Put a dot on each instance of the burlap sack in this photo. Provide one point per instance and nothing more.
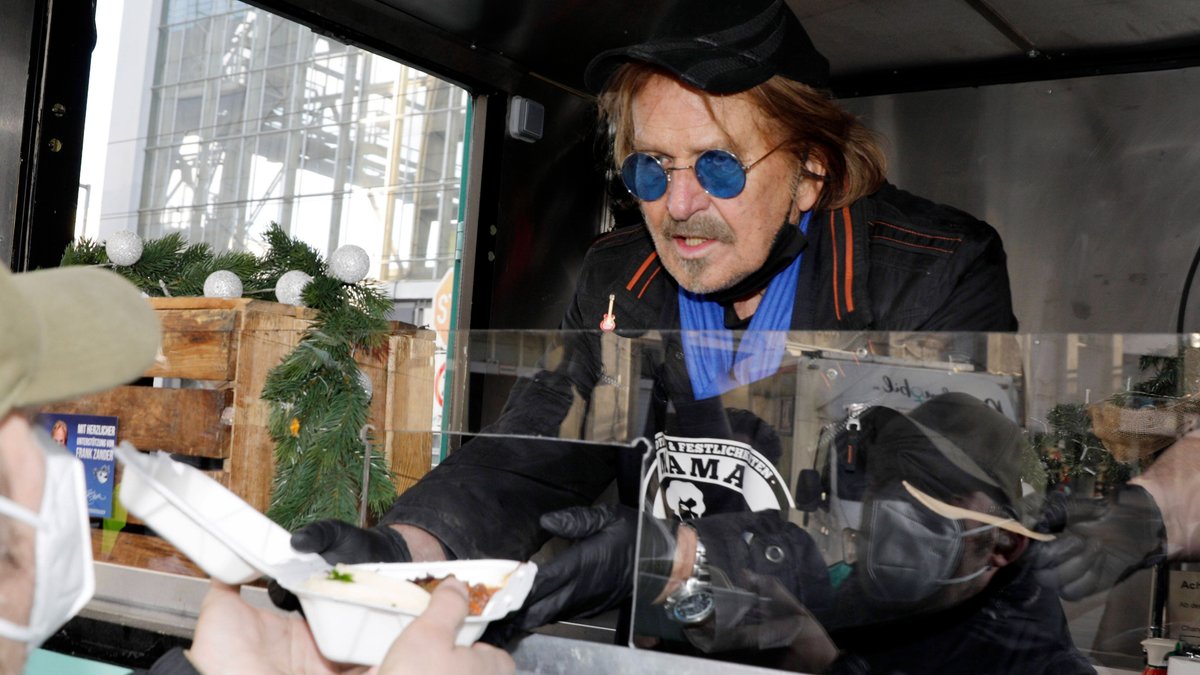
(1131, 434)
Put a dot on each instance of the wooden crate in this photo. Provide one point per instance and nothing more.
(224, 350)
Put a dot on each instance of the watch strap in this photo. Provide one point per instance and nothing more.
(698, 584)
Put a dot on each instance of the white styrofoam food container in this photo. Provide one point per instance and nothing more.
(184, 506)
(234, 543)
(347, 631)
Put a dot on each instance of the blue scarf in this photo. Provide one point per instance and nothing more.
(708, 350)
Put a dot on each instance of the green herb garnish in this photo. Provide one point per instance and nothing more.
(335, 575)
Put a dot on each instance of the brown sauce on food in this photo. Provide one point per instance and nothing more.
(477, 594)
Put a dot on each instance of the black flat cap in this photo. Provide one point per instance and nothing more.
(722, 47)
(954, 444)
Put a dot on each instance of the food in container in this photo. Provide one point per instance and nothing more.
(233, 542)
(357, 624)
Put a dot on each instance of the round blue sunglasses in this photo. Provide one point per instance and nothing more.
(719, 172)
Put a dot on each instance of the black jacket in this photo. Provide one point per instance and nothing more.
(890, 262)
(1016, 625)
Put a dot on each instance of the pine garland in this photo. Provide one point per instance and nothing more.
(1072, 453)
(169, 267)
(319, 406)
(1164, 381)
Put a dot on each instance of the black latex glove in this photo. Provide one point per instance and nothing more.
(1102, 541)
(776, 621)
(340, 542)
(595, 574)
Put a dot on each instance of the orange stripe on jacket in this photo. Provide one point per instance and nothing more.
(636, 275)
(837, 310)
(919, 234)
(849, 260)
(648, 280)
(913, 244)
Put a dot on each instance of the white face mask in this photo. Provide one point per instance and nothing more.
(64, 579)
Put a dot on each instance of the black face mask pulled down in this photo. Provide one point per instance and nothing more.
(789, 243)
(910, 552)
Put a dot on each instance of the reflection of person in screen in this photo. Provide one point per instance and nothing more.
(945, 579)
(59, 432)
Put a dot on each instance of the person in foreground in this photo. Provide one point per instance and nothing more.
(46, 573)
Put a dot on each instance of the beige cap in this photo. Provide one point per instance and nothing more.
(70, 331)
(958, 513)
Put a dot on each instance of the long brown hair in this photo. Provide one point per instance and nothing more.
(805, 120)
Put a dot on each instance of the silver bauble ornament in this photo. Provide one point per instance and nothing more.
(124, 248)
(222, 284)
(349, 264)
(290, 288)
(364, 381)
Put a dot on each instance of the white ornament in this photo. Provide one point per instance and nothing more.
(124, 248)
(223, 284)
(290, 288)
(349, 264)
(364, 381)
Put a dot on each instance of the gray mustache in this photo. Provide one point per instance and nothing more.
(706, 228)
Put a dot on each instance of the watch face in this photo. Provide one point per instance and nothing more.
(693, 608)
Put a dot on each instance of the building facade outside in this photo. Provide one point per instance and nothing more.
(226, 118)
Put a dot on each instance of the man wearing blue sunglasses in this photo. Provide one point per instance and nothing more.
(765, 209)
(741, 164)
